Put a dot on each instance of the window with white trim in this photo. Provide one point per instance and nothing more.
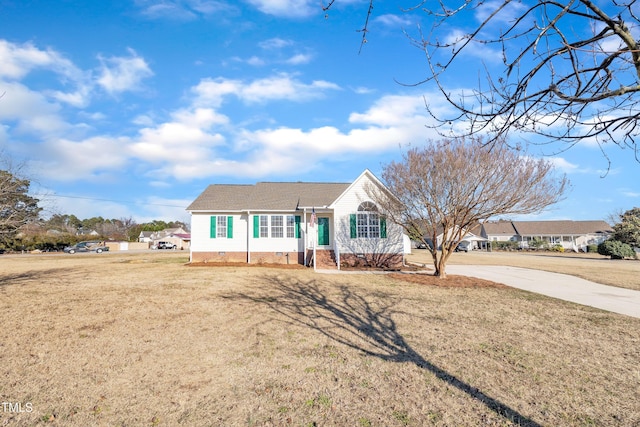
(221, 226)
(277, 226)
(368, 223)
(264, 226)
(291, 226)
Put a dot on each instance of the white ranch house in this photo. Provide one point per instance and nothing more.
(289, 222)
(572, 235)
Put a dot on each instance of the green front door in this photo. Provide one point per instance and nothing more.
(323, 231)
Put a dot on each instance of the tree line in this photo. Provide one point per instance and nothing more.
(60, 230)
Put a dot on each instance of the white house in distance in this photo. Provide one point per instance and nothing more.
(287, 222)
(572, 235)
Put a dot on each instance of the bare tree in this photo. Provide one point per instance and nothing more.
(17, 207)
(570, 69)
(448, 187)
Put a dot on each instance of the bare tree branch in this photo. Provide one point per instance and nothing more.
(17, 208)
(571, 69)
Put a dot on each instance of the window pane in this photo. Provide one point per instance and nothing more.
(374, 225)
(291, 224)
(264, 226)
(221, 226)
(363, 225)
(277, 229)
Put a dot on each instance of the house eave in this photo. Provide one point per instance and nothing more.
(241, 210)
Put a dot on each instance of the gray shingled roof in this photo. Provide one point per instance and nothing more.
(503, 228)
(545, 228)
(286, 196)
(532, 228)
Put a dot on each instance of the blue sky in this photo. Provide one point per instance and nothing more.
(132, 108)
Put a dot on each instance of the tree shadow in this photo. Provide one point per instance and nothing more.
(20, 279)
(367, 326)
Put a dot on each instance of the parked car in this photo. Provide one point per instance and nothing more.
(420, 245)
(165, 245)
(89, 246)
(464, 246)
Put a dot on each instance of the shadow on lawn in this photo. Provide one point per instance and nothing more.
(20, 279)
(349, 318)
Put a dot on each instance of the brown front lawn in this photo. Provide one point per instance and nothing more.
(143, 340)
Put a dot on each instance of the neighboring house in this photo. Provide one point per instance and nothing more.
(499, 231)
(146, 236)
(167, 232)
(287, 222)
(181, 240)
(469, 235)
(572, 235)
(177, 236)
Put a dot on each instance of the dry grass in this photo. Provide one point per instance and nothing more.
(142, 340)
(599, 269)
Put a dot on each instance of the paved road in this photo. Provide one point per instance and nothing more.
(561, 286)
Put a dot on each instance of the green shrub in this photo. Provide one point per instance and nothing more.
(616, 249)
(536, 243)
(504, 246)
(592, 248)
(557, 248)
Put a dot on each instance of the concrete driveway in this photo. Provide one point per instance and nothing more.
(561, 286)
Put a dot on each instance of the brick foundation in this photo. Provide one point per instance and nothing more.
(326, 259)
(256, 257)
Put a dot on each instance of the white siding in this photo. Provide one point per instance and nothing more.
(503, 238)
(348, 204)
(276, 244)
(201, 240)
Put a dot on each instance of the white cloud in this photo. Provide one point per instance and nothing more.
(255, 61)
(275, 43)
(299, 59)
(563, 165)
(393, 21)
(283, 86)
(79, 98)
(143, 120)
(457, 37)
(361, 90)
(120, 74)
(286, 8)
(294, 8)
(507, 15)
(392, 121)
(211, 92)
(630, 193)
(85, 206)
(188, 139)
(182, 10)
(200, 142)
(67, 160)
(392, 110)
(32, 112)
(18, 60)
